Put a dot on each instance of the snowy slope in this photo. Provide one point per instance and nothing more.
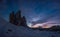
(2, 24)
(10, 30)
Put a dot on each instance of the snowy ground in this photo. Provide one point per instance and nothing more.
(9, 30)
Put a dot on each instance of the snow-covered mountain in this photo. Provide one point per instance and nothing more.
(10, 30)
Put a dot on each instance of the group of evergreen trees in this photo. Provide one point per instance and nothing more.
(17, 19)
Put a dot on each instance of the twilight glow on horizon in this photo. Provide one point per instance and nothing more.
(45, 13)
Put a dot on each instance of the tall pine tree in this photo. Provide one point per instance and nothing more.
(18, 17)
(12, 17)
(23, 21)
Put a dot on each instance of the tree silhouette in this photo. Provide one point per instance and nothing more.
(18, 17)
(23, 21)
(12, 17)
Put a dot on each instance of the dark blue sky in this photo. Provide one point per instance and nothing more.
(38, 11)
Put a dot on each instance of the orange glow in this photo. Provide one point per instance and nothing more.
(40, 26)
(45, 26)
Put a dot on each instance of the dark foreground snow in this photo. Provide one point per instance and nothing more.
(9, 30)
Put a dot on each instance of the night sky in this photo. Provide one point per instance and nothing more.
(44, 12)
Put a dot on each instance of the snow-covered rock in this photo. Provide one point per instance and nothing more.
(10, 30)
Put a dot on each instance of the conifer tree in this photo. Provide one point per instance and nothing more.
(12, 17)
(18, 17)
(23, 21)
